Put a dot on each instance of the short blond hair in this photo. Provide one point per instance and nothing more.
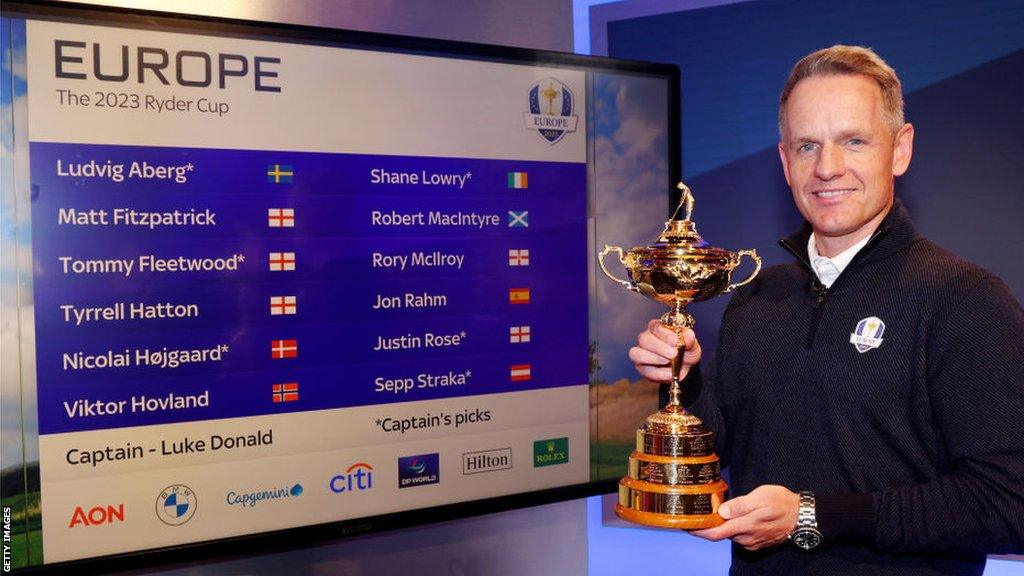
(848, 60)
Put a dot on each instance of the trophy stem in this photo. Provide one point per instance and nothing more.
(675, 388)
(678, 321)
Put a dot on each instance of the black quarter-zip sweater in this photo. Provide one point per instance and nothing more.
(915, 448)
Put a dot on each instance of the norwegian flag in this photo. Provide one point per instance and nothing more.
(518, 257)
(519, 372)
(281, 217)
(283, 305)
(286, 392)
(282, 261)
(519, 334)
(280, 349)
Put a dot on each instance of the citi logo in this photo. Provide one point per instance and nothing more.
(97, 515)
(357, 477)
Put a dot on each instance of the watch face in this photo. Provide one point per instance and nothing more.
(807, 538)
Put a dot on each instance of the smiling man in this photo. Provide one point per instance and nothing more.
(868, 398)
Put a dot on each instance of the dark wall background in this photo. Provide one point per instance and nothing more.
(962, 68)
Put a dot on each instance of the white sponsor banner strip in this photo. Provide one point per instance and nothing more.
(232, 498)
(103, 85)
(99, 453)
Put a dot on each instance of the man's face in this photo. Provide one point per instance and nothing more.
(840, 158)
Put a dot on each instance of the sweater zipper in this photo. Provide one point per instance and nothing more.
(821, 294)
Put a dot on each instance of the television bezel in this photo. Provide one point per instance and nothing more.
(319, 534)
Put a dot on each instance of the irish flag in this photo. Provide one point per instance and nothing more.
(517, 180)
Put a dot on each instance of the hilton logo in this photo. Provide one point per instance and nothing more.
(487, 461)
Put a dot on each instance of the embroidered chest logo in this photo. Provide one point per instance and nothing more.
(868, 334)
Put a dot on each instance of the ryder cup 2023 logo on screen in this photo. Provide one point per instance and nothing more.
(551, 110)
(418, 470)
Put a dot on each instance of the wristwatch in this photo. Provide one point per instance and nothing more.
(806, 535)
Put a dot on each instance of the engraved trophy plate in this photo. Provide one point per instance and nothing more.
(674, 478)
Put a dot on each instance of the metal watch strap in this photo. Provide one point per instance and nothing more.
(806, 516)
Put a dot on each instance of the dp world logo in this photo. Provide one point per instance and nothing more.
(176, 504)
(418, 470)
(551, 110)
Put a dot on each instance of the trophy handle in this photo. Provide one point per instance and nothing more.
(757, 268)
(600, 260)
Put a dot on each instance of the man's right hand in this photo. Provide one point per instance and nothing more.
(656, 347)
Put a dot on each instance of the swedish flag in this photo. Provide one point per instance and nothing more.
(280, 173)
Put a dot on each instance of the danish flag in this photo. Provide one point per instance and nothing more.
(284, 349)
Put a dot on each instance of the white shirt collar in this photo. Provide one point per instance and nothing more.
(828, 269)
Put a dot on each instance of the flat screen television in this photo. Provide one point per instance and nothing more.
(261, 280)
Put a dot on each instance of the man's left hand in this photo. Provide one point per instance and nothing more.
(763, 518)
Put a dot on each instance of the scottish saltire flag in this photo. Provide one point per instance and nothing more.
(283, 305)
(286, 392)
(519, 372)
(282, 261)
(519, 334)
(280, 349)
(517, 180)
(518, 257)
(519, 295)
(281, 217)
(280, 173)
(518, 219)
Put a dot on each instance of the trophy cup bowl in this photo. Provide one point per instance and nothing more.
(674, 478)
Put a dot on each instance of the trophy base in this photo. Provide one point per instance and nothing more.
(664, 506)
(677, 522)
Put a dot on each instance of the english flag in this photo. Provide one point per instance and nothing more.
(281, 217)
(283, 305)
(518, 257)
(284, 349)
(519, 334)
(282, 261)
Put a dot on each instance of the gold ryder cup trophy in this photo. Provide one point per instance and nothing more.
(674, 478)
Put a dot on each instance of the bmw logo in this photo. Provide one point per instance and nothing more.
(176, 505)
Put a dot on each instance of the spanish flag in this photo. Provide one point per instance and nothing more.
(517, 180)
(519, 296)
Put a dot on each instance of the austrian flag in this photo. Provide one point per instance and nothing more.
(286, 392)
(281, 217)
(282, 261)
(520, 372)
(518, 257)
(519, 334)
(283, 305)
(280, 349)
